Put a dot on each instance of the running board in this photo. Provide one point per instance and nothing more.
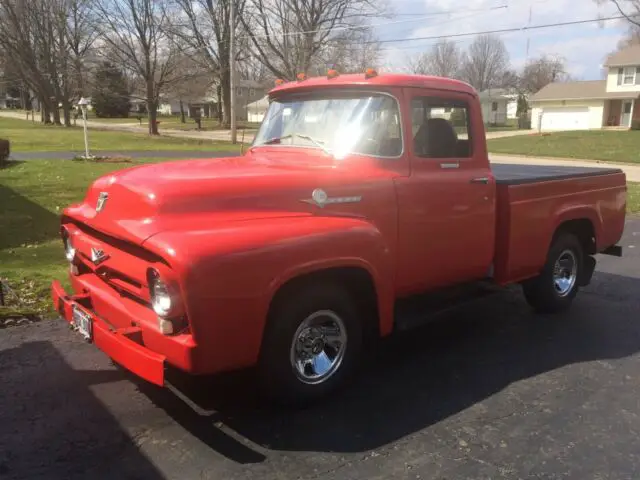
(614, 250)
(418, 310)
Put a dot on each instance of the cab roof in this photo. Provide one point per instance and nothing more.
(380, 79)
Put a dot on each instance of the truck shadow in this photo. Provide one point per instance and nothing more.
(23, 221)
(427, 375)
(54, 426)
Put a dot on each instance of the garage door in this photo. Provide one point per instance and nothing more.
(574, 118)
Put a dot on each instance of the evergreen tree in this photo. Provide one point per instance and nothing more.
(110, 96)
(523, 106)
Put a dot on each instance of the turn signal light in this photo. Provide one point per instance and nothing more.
(301, 76)
(370, 73)
(279, 82)
(332, 73)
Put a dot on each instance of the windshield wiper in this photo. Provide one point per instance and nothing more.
(317, 143)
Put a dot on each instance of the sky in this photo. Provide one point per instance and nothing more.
(584, 47)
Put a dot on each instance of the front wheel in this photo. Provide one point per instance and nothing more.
(554, 289)
(312, 344)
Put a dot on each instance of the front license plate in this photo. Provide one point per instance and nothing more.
(83, 323)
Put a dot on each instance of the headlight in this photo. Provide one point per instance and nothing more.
(160, 296)
(69, 251)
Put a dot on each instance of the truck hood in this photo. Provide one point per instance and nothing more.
(141, 201)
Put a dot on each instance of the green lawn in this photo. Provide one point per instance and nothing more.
(173, 122)
(32, 194)
(35, 137)
(609, 146)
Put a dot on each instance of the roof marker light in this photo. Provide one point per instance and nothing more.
(370, 73)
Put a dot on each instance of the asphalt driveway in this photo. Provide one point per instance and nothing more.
(490, 391)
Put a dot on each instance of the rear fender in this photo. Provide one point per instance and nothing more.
(578, 213)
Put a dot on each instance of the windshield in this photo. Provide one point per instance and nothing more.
(339, 123)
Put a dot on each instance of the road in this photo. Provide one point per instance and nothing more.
(215, 135)
(490, 391)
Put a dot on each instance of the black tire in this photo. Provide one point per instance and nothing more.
(278, 379)
(540, 291)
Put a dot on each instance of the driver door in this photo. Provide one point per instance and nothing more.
(446, 204)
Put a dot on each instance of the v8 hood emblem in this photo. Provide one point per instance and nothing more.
(98, 256)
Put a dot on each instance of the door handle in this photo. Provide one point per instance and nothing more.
(484, 180)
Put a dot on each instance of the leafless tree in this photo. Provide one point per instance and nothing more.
(349, 51)
(289, 36)
(203, 27)
(485, 63)
(137, 32)
(630, 9)
(632, 37)
(539, 72)
(442, 60)
(195, 84)
(81, 35)
(45, 40)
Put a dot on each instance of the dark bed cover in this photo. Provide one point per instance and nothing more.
(516, 174)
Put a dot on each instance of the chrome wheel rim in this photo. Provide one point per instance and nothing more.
(318, 347)
(565, 272)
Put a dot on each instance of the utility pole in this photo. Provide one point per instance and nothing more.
(528, 36)
(232, 72)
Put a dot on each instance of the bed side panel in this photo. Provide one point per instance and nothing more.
(529, 214)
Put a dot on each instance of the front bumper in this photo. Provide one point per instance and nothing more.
(124, 345)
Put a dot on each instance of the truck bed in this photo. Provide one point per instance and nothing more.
(517, 174)
(533, 200)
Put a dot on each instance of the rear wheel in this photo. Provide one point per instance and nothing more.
(554, 289)
(312, 344)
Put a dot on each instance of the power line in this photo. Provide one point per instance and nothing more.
(367, 26)
(497, 31)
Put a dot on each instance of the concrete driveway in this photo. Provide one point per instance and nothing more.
(491, 391)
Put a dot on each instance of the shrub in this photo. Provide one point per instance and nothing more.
(5, 150)
(635, 125)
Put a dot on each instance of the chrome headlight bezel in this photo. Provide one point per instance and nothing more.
(69, 249)
(162, 301)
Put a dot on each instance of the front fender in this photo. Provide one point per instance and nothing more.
(229, 275)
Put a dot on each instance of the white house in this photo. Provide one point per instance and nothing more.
(498, 105)
(592, 104)
(257, 109)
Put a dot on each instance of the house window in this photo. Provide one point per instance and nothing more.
(252, 92)
(629, 76)
(238, 92)
(494, 106)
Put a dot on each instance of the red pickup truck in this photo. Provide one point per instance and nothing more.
(359, 194)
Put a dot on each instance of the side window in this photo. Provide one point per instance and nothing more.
(440, 128)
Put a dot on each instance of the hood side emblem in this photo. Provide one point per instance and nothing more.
(102, 199)
(320, 198)
(98, 256)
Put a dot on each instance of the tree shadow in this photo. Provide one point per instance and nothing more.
(10, 164)
(54, 427)
(425, 376)
(23, 221)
